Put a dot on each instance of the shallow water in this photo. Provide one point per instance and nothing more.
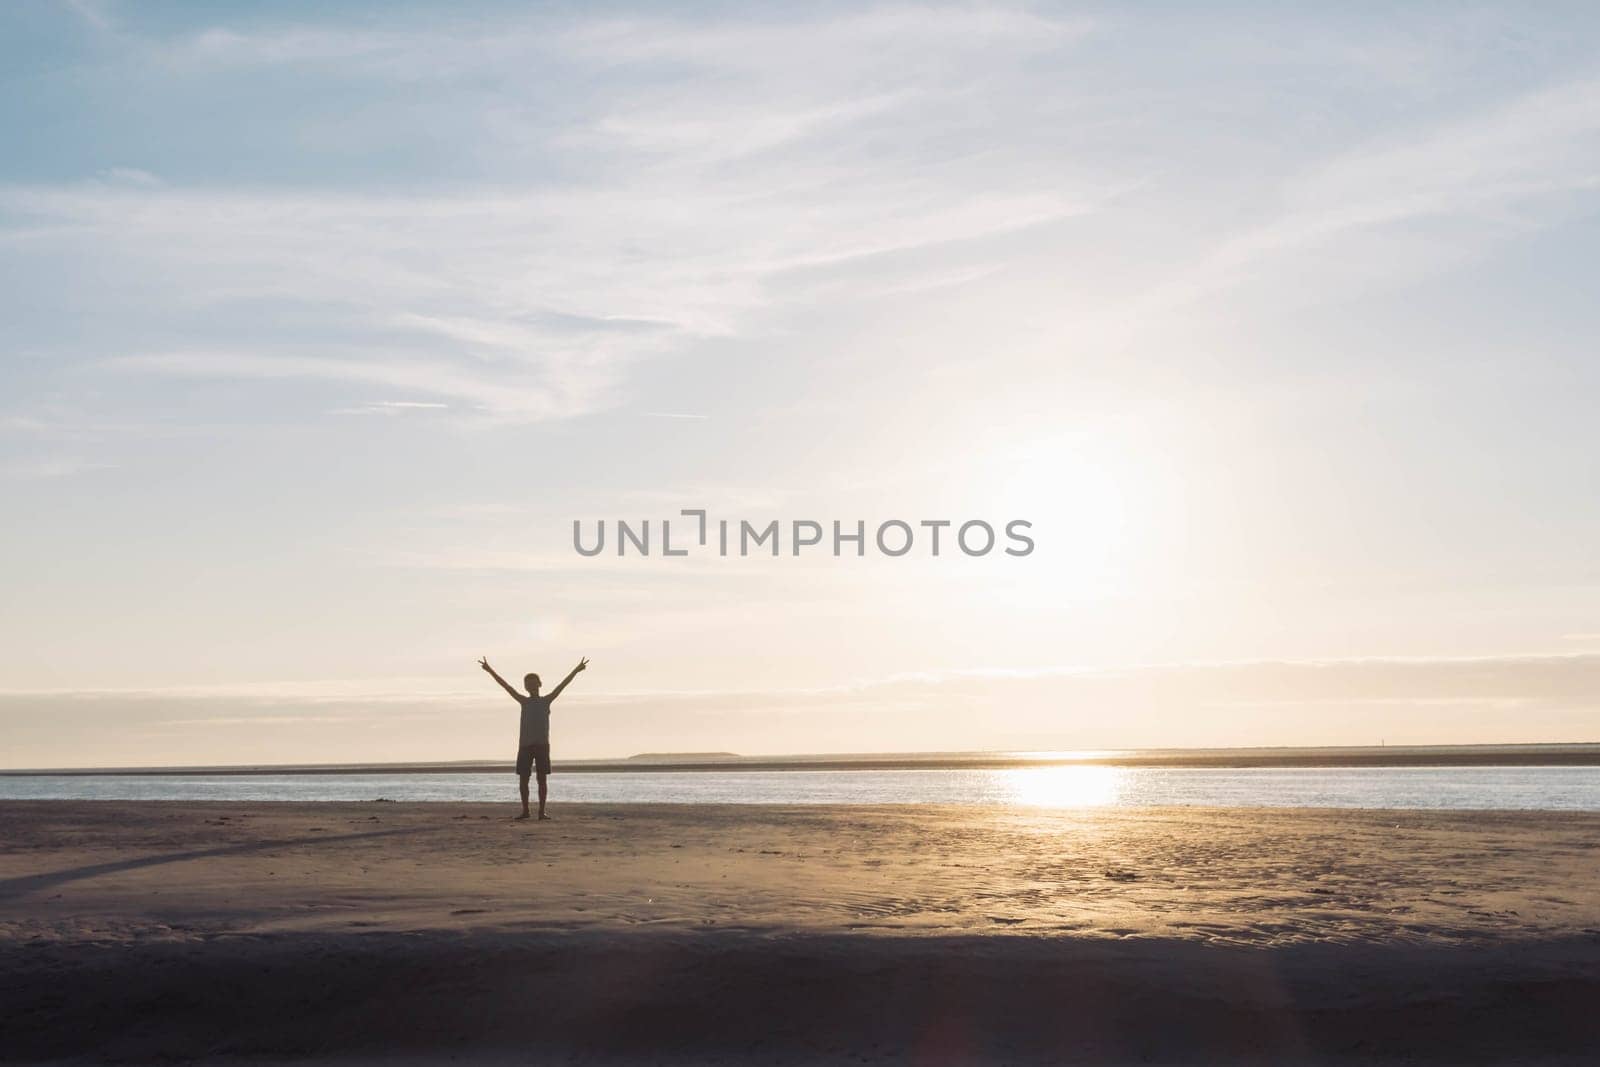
(1504, 788)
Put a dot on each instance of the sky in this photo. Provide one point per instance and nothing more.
(324, 323)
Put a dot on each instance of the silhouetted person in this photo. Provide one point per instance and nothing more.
(533, 740)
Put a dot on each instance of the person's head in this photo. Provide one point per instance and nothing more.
(531, 682)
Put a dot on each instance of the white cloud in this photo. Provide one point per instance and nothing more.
(96, 13)
(42, 468)
(390, 408)
(494, 395)
(132, 176)
(525, 307)
(662, 210)
(1498, 172)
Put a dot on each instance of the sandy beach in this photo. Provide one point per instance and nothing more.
(343, 932)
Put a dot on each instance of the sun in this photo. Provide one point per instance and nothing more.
(1082, 499)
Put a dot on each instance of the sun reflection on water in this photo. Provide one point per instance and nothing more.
(1064, 787)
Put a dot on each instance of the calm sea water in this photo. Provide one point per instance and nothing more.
(1506, 788)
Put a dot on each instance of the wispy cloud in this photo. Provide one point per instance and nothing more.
(534, 298)
(727, 169)
(94, 12)
(41, 468)
(1498, 173)
(495, 395)
(390, 407)
(132, 176)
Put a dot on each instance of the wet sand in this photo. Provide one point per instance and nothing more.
(376, 931)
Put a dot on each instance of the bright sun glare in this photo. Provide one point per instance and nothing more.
(1064, 787)
(1079, 497)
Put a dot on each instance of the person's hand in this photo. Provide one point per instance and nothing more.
(484, 663)
(583, 664)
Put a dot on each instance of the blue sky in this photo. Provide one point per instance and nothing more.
(324, 323)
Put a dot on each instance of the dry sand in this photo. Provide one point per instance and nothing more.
(796, 934)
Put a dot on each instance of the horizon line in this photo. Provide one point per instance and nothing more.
(1556, 753)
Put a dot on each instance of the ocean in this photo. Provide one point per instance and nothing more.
(1521, 788)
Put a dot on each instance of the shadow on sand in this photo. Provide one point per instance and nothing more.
(11, 888)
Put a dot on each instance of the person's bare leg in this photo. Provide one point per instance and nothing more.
(522, 784)
(543, 791)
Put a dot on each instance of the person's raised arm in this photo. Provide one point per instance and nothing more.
(484, 663)
(582, 664)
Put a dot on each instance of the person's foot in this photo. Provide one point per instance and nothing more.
(543, 817)
(519, 818)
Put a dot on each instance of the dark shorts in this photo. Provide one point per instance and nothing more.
(529, 756)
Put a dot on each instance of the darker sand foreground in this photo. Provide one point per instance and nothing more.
(795, 935)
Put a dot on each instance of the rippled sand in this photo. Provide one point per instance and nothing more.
(637, 932)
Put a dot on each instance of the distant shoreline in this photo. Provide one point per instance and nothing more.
(1530, 755)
